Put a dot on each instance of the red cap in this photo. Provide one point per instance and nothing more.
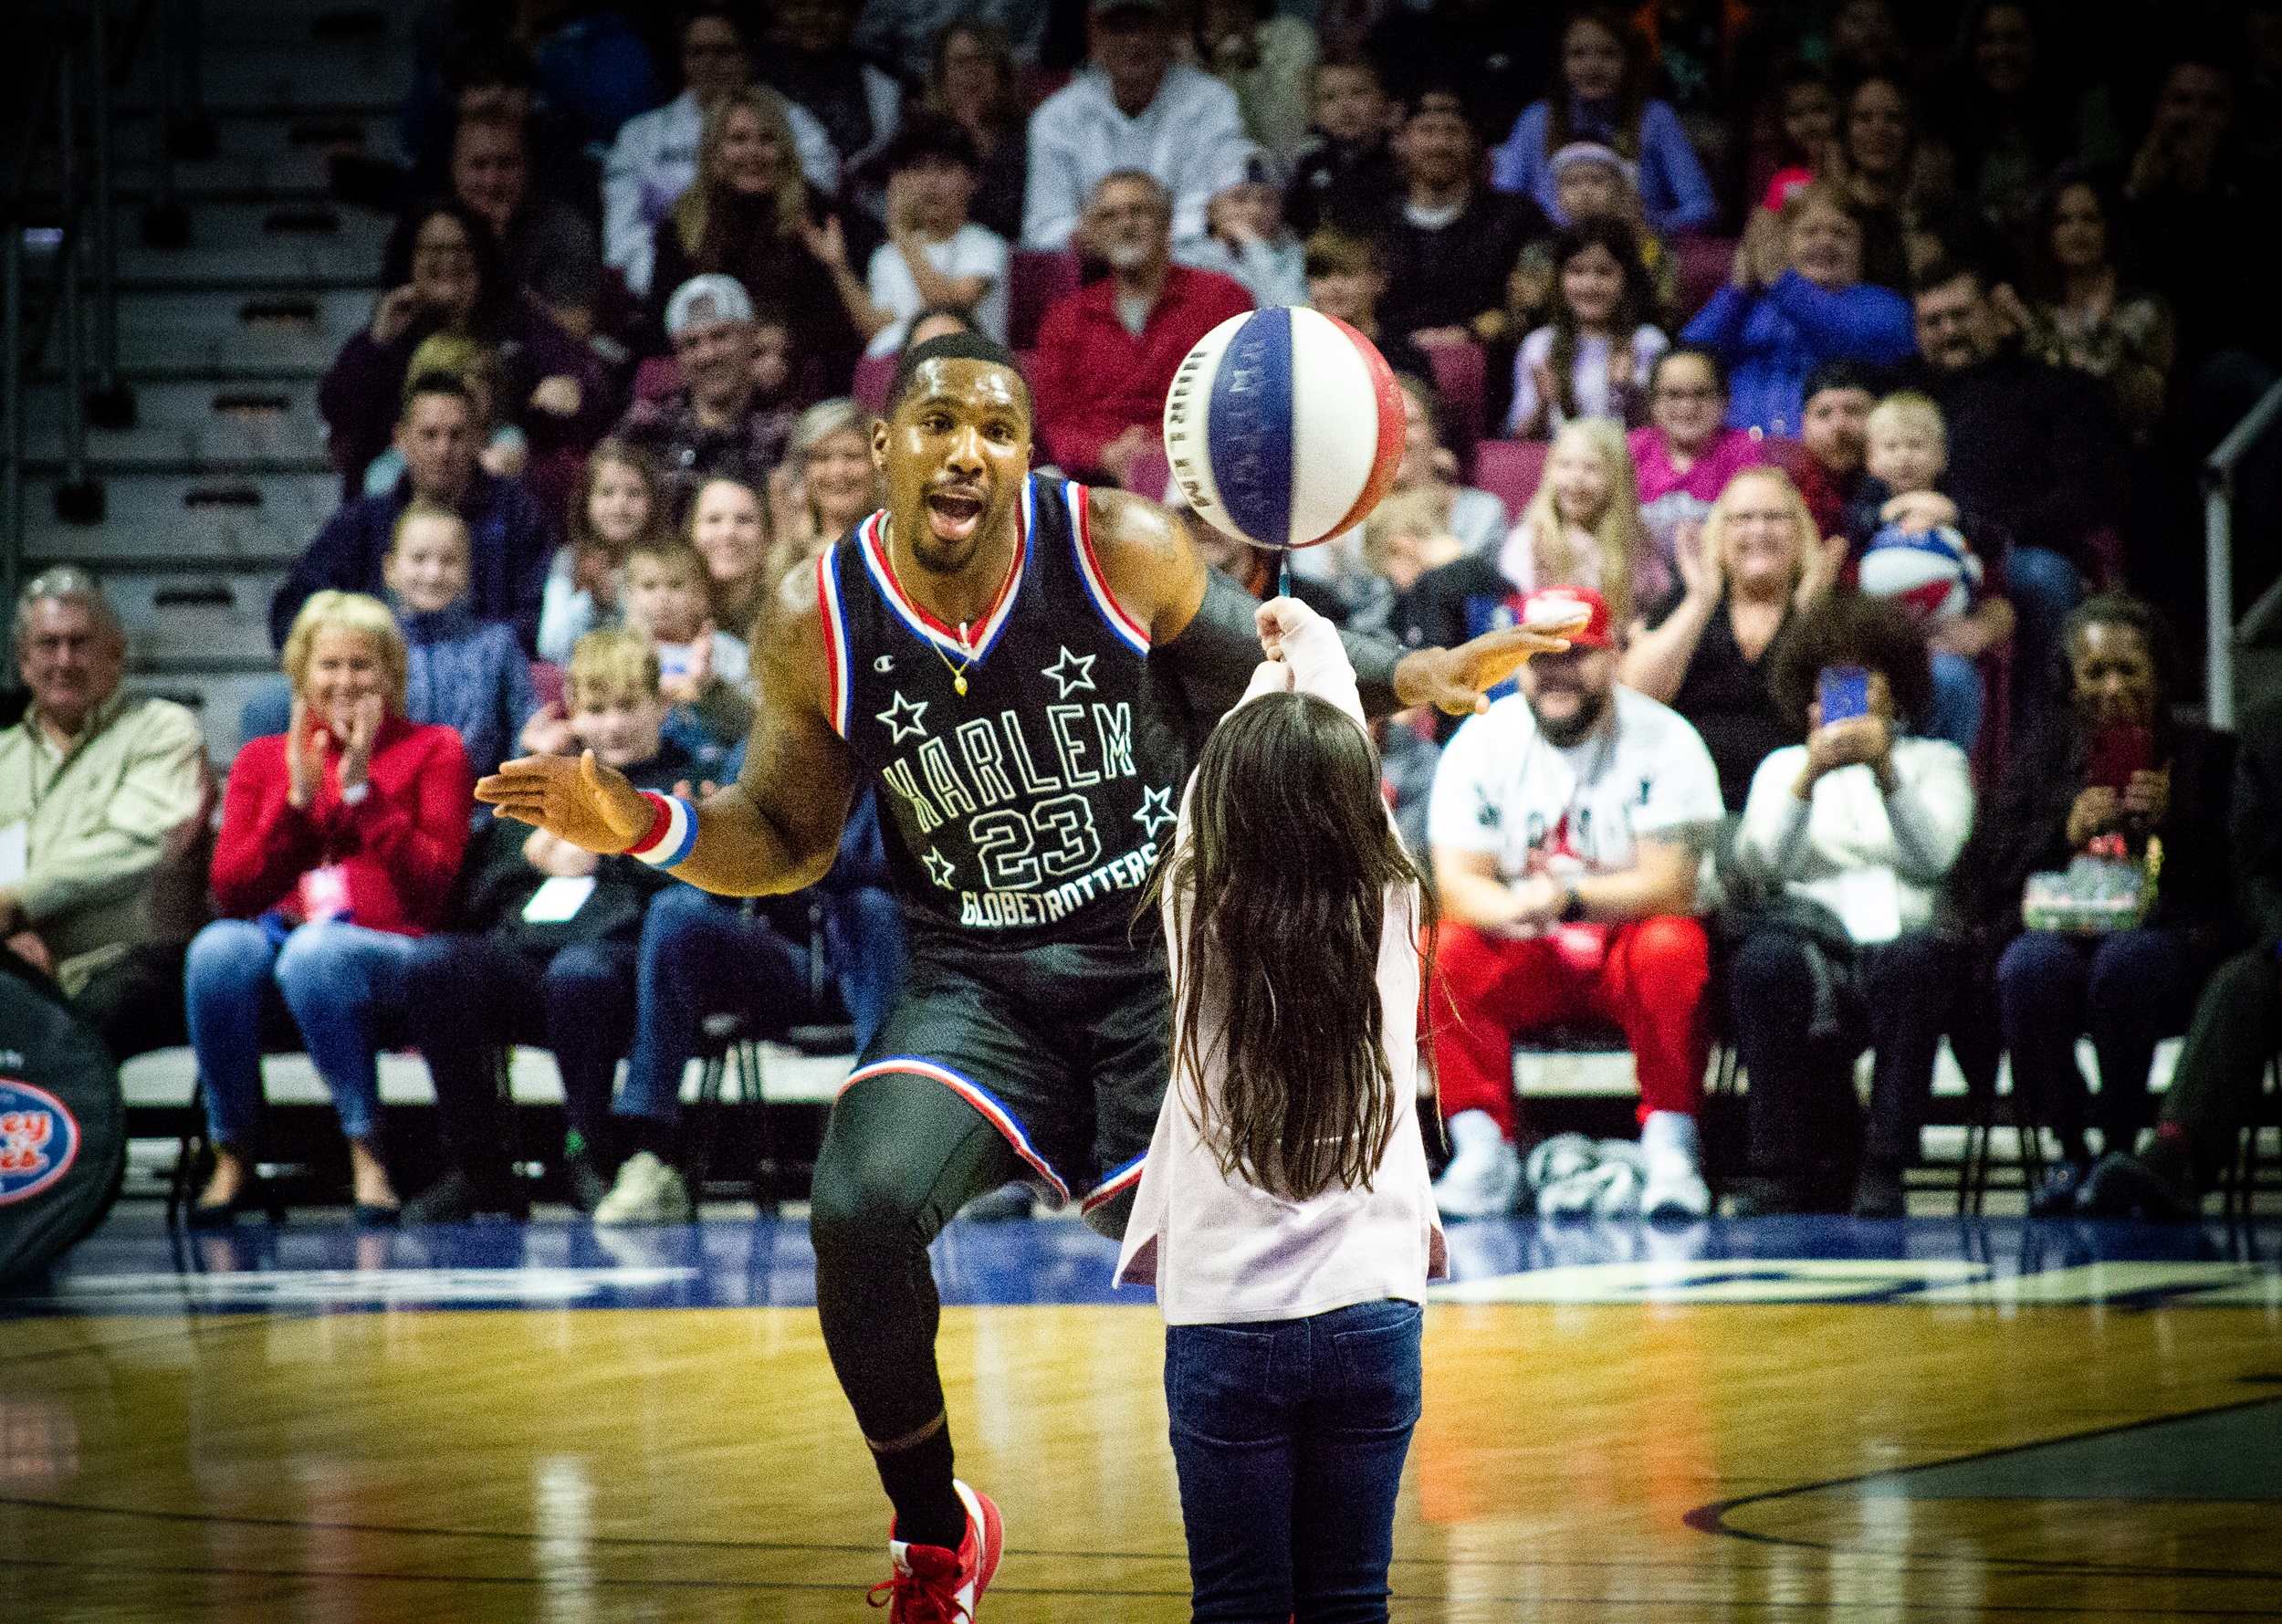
(1554, 603)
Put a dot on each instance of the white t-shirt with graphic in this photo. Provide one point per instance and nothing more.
(1502, 788)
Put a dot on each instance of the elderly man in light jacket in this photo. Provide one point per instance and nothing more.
(103, 804)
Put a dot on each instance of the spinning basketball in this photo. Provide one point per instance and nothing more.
(1283, 427)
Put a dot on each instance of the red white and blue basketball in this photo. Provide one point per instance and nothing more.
(1283, 427)
(1933, 572)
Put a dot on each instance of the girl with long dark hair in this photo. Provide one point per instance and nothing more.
(1285, 1214)
(1593, 357)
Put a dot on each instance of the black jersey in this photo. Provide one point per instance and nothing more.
(1025, 787)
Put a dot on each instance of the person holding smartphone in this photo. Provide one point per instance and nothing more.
(1849, 836)
(2111, 760)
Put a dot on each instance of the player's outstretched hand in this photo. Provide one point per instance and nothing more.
(579, 800)
(1458, 680)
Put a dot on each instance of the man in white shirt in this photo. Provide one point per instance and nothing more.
(1564, 826)
(1135, 109)
(654, 158)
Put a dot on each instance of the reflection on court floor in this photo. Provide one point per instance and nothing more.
(1776, 1420)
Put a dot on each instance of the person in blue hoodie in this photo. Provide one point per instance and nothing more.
(469, 675)
(1797, 300)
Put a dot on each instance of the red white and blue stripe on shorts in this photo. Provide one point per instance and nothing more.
(1010, 1127)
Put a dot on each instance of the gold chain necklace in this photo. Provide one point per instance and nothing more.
(959, 671)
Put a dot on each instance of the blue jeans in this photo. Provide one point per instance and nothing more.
(703, 956)
(1290, 1437)
(2128, 990)
(337, 981)
(2043, 587)
(1953, 712)
(471, 995)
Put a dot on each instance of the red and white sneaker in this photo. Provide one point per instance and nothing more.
(933, 1585)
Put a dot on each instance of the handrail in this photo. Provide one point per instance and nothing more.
(2220, 633)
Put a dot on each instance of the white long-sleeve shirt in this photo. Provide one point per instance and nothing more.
(1220, 1249)
(1875, 860)
(654, 161)
(1191, 138)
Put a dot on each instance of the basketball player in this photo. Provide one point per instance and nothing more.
(1008, 658)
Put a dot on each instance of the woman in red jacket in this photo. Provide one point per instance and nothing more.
(340, 840)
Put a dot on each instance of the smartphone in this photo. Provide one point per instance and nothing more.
(1844, 691)
(2118, 751)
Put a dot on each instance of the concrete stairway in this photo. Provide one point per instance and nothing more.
(224, 479)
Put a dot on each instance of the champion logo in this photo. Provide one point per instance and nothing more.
(884, 664)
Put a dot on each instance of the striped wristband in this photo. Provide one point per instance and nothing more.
(673, 832)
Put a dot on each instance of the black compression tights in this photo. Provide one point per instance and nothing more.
(901, 1155)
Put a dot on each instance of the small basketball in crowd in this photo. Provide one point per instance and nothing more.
(1933, 572)
(1284, 426)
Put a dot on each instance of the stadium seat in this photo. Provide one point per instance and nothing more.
(875, 374)
(657, 378)
(1461, 376)
(1509, 470)
(1705, 262)
(1034, 279)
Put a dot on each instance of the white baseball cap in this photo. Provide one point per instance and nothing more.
(704, 300)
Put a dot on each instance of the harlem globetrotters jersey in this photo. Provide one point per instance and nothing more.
(1032, 804)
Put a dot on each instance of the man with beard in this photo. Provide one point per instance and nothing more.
(1107, 354)
(1563, 824)
(1005, 657)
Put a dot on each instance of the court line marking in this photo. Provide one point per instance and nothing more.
(649, 1582)
(1712, 1518)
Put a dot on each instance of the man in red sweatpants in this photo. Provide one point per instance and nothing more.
(1565, 823)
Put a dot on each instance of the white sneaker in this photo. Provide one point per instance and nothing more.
(647, 1191)
(1674, 1189)
(1485, 1170)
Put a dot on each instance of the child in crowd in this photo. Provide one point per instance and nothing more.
(1347, 176)
(1905, 455)
(702, 670)
(1804, 127)
(1407, 535)
(1603, 97)
(729, 526)
(621, 501)
(1250, 241)
(1593, 184)
(1346, 277)
(934, 254)
(1583, 526)
(1284, 1213)
(506, 451)
(544, 951)
(1593, 359)
(464, 673)
(1685, 454)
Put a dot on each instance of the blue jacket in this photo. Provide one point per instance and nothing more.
(511, 543)
(1771, 340)
(1674, 195)
(470, 676)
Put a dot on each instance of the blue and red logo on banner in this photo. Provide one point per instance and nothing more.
(39, 1139)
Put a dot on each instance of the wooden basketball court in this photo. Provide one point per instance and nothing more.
(1790, 1419)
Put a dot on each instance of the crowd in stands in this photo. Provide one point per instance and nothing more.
(1850, 361)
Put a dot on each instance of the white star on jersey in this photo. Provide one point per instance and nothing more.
(1071, 682)
(904, 719)
(1157, 807)
(939, 868)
